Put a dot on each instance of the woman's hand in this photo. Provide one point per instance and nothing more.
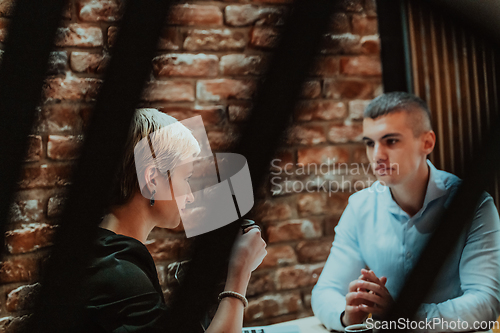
(248, 251)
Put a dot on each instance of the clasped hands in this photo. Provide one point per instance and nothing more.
(367, 294)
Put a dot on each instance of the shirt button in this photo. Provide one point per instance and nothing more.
(408, 255)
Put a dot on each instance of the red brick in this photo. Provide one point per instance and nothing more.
(64, 147)
(293, 230)
(22, 298)
(85, 62)
(169, 38)
(370, 45)
(221, 89)
(18, 270)
(297, 276)
(260, 283)
(350, 5)
(183, 64)
(35, 149)
(273, 305)
(164, 249)
(61, 117)
(330, 223)
(336, 203)
(311, 204)
(320, 110)
(359, 155)
(264, 37)
(314, 250)
(238, 113)
(361, 65)
(345, 133)
(4, 25)
(306, 135)
(339, 23)
(272, 210)
(242, 15)
(99, 10)
(350, 89)
(79, 35)
(221, 141)
(326, 66)
(243, 64)
(311, 89)
(55, 206)
(211, 114)
(356, 109)
(26, 211)
(283, 160)
(29, 238)
(45, 176)
(279, 255)
(325, 155)
(371, 7)
(306, 297)
(169, 91)
(71, 88)
(6, 7)
(112, 32)
(215, 40)
(57, 63)
(15, 324)
(364, 25)
(341, 44)
(269, 1)
(189, 14)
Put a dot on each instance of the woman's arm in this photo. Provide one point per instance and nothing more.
(247, 254)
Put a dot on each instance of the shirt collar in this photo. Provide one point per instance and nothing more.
(435, 189)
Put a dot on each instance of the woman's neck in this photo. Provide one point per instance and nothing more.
(129, 220)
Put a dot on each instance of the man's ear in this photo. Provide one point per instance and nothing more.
(428, 142)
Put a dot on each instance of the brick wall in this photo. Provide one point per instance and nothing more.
(209, 61)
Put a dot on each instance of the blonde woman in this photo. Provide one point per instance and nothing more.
(122, 288)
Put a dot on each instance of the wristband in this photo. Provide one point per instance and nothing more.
(342, 316)
(234, 294)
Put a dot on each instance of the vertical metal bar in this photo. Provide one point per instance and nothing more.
(466, 89)
(475, 83)
(413, 47)
(448, 105)
(395, 55)
(487, 106)
(437, 107)
(458, 98)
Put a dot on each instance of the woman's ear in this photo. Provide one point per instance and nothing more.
(429, 141)
(149, 176)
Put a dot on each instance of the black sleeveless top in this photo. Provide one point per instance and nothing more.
(122, 289)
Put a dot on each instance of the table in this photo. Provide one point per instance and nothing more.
(307, 325)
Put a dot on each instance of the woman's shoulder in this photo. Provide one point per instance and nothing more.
(121, 267)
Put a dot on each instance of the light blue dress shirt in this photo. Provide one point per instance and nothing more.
(375, 232)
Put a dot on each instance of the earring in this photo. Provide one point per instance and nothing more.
(152, 200)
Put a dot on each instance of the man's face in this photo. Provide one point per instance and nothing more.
(395, 154)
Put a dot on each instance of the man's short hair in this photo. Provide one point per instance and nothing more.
(417, 109)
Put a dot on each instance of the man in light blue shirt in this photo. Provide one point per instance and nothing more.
(385, 227)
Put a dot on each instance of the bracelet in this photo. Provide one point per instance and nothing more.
(234, 294)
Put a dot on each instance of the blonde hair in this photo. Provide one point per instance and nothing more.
(171, 141)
